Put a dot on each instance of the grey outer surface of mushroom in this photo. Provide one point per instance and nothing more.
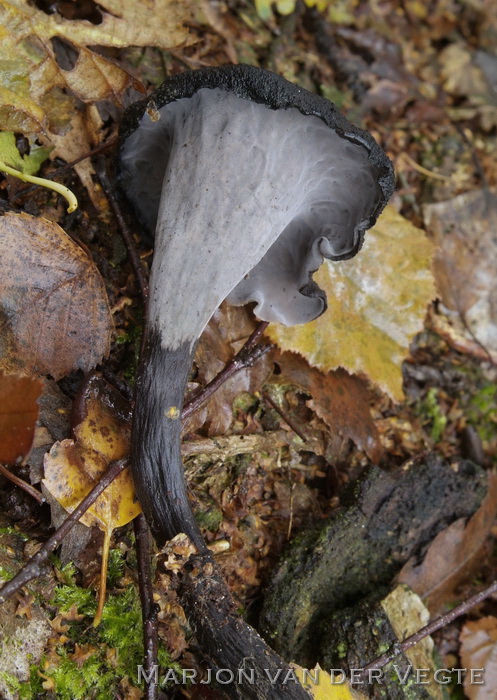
(249, 181)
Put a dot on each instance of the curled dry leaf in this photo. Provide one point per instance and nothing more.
(54, 312)
(479, 651)
(465, 260)
(39, 90)
(376, 304)
(340, 399)
(18, 416)
(225, 334)
(453, 555)
(49, 69)
(74, 467)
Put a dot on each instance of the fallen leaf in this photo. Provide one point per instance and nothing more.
(470, 73)
(479, 651)
(37, 93)
(340, 399)
(49, 71)
(27, 164)
(54, 312)
(376, 304)
(225, 334)
(460, 73)
(465, 260)
(452, 555)
(407, 615)
(321, 686)
(18, 416)
(74, 467)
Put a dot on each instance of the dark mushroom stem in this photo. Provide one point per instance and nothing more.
(156, 454)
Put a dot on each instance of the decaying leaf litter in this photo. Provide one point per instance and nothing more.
(429, 100)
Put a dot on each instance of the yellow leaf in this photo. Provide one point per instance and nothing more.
(41, 92)
(74, 467)
(376, 304)
(31, 66)
(321, 686)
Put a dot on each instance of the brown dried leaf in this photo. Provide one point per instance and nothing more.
(340, 399)
(228, 329)
(479, 651)
(465, 261)
(453, 554)
(42, 83)
(36, 91)
(54, 312)
(18, 416)
(377, 303)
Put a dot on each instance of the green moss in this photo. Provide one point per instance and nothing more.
(430, 410)
(209, 519)
(10, 681)
(6, 573)
(115, 568)
(67, 574)
(245, 402)
(482, 411)
(96, 677)
(67, 596)
(9, 530)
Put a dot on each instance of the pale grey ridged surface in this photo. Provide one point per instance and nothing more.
(239, 177)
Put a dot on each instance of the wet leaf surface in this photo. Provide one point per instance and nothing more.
(339, 398)
(376, 304)
(18, 415)
(228, 329)
(453, 556)
(74, 467)
(465, 261)
(54, 313)
(479, 651)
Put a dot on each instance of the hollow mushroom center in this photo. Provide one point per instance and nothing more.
(247, 200)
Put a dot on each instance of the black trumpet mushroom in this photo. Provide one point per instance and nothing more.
(248, 182)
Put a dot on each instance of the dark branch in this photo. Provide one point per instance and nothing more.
(149, 608)
(34, 567)
(245, 357)
(438, 623)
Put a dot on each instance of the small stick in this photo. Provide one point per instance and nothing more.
(22, 484)
(34, 566)
(245, 357)
(431, 627)
(149, 608)
(125, 231)
(287, 420)
(423, 171)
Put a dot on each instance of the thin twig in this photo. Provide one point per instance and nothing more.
(438, 623)
(149, 608)
(287, 420)
(22, 484)
(123, 226)
(245, 357)
(34, 566)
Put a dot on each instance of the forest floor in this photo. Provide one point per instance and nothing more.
(271, 453)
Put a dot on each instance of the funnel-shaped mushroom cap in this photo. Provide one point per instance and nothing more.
(249, 181)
